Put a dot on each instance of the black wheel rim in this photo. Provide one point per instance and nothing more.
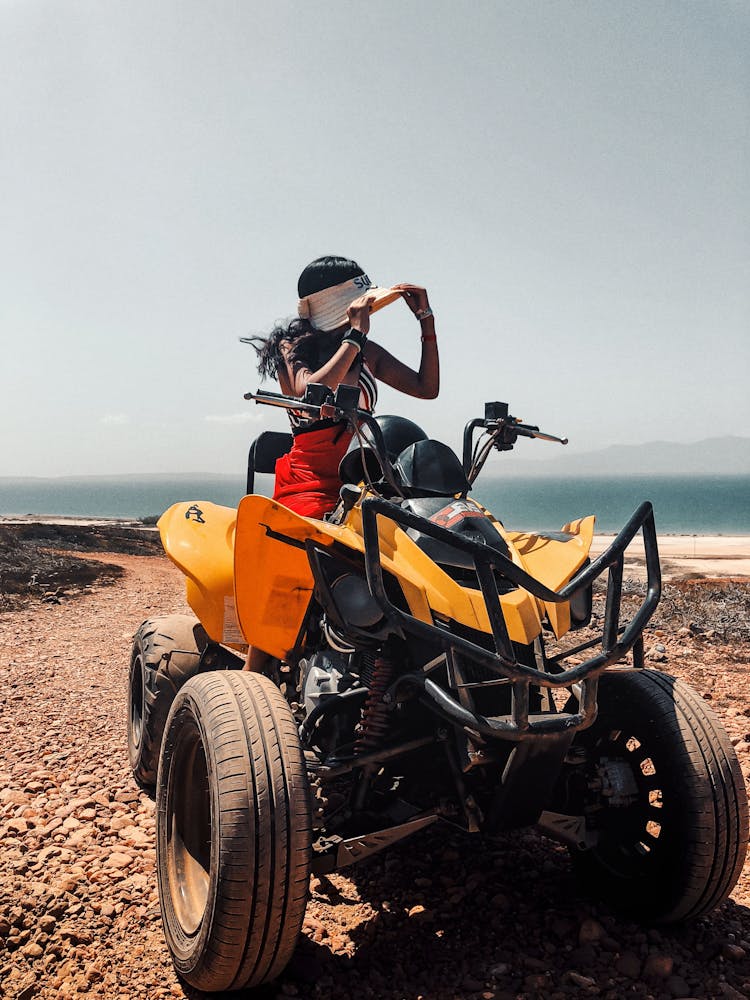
(189, 828)
(631, 832)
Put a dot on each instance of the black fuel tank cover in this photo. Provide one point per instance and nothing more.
(431, 468)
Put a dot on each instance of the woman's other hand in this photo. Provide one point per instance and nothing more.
(359, 313)
(414, 296)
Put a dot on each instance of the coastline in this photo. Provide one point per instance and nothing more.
(74, 521)
(682, 555)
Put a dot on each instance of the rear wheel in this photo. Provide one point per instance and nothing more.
(233, 831)
(665, 800)
(166, 652)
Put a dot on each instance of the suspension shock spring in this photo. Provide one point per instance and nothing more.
(366, 666)
(374, 724)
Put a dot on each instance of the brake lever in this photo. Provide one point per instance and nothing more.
(509, 430)
(532, 431)
(283, 402)
(550, 437)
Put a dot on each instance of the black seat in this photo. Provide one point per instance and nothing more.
(264, 451)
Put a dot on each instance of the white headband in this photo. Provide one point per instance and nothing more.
(326, 309)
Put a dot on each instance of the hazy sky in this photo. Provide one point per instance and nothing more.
(570, 180)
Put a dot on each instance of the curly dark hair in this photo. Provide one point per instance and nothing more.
(309, 346)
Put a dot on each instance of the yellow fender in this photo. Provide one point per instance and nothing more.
(554, 558)
(199, 539)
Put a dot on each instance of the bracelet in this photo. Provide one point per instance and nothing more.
(428, 336)
(356, 338)
(423, 313)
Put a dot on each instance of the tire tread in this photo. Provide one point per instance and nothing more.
(696, 757)
(264, 845)
(161, 681)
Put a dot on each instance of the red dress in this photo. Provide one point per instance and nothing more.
(307, 478)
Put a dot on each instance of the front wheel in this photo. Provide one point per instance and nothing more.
(664, 800)
(233, 831)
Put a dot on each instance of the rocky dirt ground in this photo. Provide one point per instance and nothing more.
(439, 917)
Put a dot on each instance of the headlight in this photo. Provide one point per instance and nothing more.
(354, 602)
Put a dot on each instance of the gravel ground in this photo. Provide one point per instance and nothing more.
(441, 916)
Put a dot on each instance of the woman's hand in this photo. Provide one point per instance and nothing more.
(414, 296)
(359, 313)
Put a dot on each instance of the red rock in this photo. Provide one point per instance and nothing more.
(590, 930)
(585, 982)
(118, 860)
(658, 967)
(628, 964)
(537, 982)
(732, 952)
(32, 950)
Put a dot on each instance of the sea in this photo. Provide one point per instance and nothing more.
(683, 505)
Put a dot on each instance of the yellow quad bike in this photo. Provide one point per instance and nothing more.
(416, 675)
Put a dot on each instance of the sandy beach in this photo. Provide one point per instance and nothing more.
(685, 556)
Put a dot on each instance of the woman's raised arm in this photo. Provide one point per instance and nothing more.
(293, 378)
(425, 383)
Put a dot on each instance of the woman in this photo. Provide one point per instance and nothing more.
(329, 344)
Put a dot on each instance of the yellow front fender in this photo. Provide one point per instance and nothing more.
(554, 558)
(199, 539)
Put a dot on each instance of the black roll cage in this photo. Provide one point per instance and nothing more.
(616, 642)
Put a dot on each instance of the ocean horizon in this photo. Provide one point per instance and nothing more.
(705, 505)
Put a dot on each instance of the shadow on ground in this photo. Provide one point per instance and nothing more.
(442, 918)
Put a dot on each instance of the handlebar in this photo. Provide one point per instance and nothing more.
(501, 429)
(324, 410)
(337, 407)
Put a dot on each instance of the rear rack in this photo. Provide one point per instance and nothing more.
(615, 641)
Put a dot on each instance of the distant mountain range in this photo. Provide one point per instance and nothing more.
(720, 456)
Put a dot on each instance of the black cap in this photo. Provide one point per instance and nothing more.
(325, 272)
